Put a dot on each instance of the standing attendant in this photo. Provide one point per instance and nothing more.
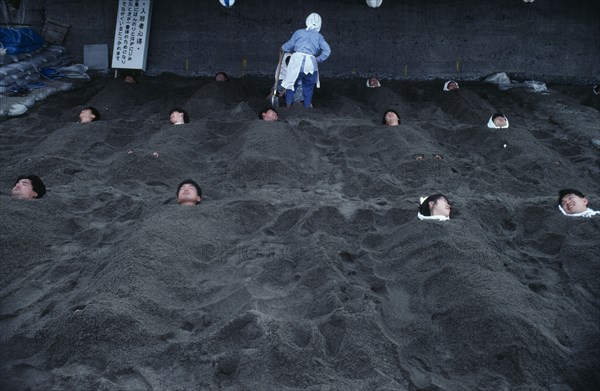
(309, 48)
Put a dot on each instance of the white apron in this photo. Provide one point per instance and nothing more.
(294, 68)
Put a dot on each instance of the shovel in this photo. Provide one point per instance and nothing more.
(274, 94)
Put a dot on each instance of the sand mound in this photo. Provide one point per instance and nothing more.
(305, 267)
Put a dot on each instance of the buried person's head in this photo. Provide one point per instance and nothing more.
(178, 116)
(572, 201)
(435, 205)
(130, 79)
(28, 187)
(373, 82)
(188, 193)
(498, 121)
(221, 76)
(268, 114)
(391, 118)
(450, 85)
(89, 114)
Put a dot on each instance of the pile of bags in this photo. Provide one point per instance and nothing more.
(30, 70)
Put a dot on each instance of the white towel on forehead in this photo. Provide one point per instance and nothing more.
(586, 213)
(313, 22)
(437, 217)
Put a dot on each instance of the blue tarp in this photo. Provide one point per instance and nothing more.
(23, 40)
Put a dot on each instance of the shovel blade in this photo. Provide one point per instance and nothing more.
(275, 100)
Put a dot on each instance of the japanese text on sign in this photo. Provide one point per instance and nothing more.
(131, 34)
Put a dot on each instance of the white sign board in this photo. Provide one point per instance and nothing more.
(131, 34)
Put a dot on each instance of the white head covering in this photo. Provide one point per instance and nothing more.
(313, 22)
(492, 125)
(375, 86)
(586, 213)
(435, 217)
(448, 82)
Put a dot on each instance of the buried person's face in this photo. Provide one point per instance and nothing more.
(572, 203)
(373, 82)
(440, 207)
(391, 119)
(452, 86)
(23, 190)
(188, 195)
(176, 118)
(500, 121)
(270, 115)
(86, 116)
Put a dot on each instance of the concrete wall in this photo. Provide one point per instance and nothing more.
(413, 39)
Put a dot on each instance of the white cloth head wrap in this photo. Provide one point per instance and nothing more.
(436, 217)
(313, 22)
(586, 213)
(375, 86)
(492, 125)
(448, 82)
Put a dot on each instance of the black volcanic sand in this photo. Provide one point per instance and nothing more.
(305, 267)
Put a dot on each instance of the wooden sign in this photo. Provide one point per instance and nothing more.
(131, 34)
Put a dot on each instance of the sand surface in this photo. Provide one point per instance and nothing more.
(305, 266)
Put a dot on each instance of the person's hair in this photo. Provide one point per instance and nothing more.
(130, 75)
(94, 111)
(186, 119)
(424, 207)
(191, 182)
(264, 111)
(222, 73)
(390, 111)
(563, 192)
(498, 114)
(36, 184)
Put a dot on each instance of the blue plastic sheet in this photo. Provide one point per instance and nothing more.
(23, 40)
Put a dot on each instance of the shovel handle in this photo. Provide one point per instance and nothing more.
(277, 70)
(274, 97)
